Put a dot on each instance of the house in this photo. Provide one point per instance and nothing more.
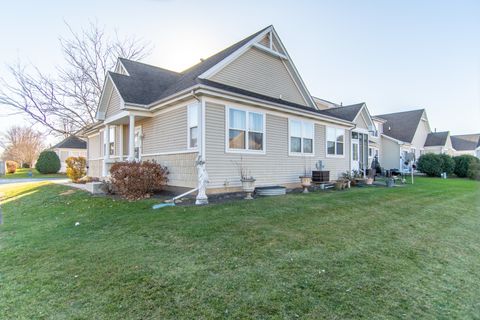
(364, 139)
(71, 146)
(244, 106)
(439, 142)
(402, 133)
(466, 144)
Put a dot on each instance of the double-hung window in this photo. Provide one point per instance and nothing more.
(109, 141)
(193, 126)
(246, 130)
(335, 141)
(301, 137)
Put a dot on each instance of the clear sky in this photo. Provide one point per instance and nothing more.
(393, 55)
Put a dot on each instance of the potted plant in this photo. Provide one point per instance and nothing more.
(305, 179)
(247, 180)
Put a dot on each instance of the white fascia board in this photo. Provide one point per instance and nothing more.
(265, 104)
(114, 87)
(216, 68)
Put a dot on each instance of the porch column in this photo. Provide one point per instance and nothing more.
(106, 150)
(131, 138)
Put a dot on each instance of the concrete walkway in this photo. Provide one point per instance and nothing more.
(27, 180)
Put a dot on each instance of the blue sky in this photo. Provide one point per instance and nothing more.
(394, 55)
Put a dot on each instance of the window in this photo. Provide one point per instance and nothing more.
(193, 126)
(370, 152)
(246, 130)
(301, 137)
(335, 141)
(111, 142)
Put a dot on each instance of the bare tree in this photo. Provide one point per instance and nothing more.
(22, 144)
(66, 102)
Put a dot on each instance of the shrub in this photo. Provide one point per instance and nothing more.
(76, 168)
(462, 163)
(430, 164)
(26, 165)
(137, 180)
(11, 167)
(48, 162)
(448, 164)
(473, 171)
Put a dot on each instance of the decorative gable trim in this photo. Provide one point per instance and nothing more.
(280, 52)
(107, 91)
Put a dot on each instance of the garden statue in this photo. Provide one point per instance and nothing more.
(202, 176)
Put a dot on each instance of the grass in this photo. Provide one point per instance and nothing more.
(22, 173)
(372, 253)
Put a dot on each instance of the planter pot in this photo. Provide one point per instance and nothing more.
(306, 182)
(248, 186)
(369, 181)
(390, 183)
(339, 185)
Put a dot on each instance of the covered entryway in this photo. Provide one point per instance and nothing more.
(360, 151)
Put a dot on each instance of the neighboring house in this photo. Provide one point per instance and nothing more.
(439, 142)
(72, 146)
(364, 138)
(466, 144)
(402, 133)
(245, 105)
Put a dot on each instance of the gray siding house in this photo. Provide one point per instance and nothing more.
(247, 103)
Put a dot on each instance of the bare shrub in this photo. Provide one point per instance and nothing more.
(138, 180)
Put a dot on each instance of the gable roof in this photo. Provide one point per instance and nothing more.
(465, 142)
(348, 113)
(436, 139)
(402, 125)
(71, 142)
(148, 84)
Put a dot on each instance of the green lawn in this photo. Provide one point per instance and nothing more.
(23, 173)
(373, 253)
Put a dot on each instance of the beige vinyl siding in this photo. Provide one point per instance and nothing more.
(418, 141)
(114, 104)
(254, 71)
(181, 167)
(118, 137)
(360, 121)
(389, 154)
(95, 168)
(274, 167)
(94, 147)
(166, 132)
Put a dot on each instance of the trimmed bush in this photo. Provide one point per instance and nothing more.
(11, 167)
(473, 171)
(430, 164)
(448, 164)
(137, 180)
(76, 168)
(462, 163)
(48, 162)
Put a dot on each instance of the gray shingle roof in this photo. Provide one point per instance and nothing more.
(348, 113)
(402, 125)
(71, 142)
(465, 142)
(436, 139)
(147, 84)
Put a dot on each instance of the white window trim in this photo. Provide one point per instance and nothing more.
(339, 156)
(227, 131)
(112, 140)
(301, 153)
(188, 126)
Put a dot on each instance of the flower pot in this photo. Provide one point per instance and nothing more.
(248, 186)
(369, 181)
(390, 183)
(339, 185)
(306, 182)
